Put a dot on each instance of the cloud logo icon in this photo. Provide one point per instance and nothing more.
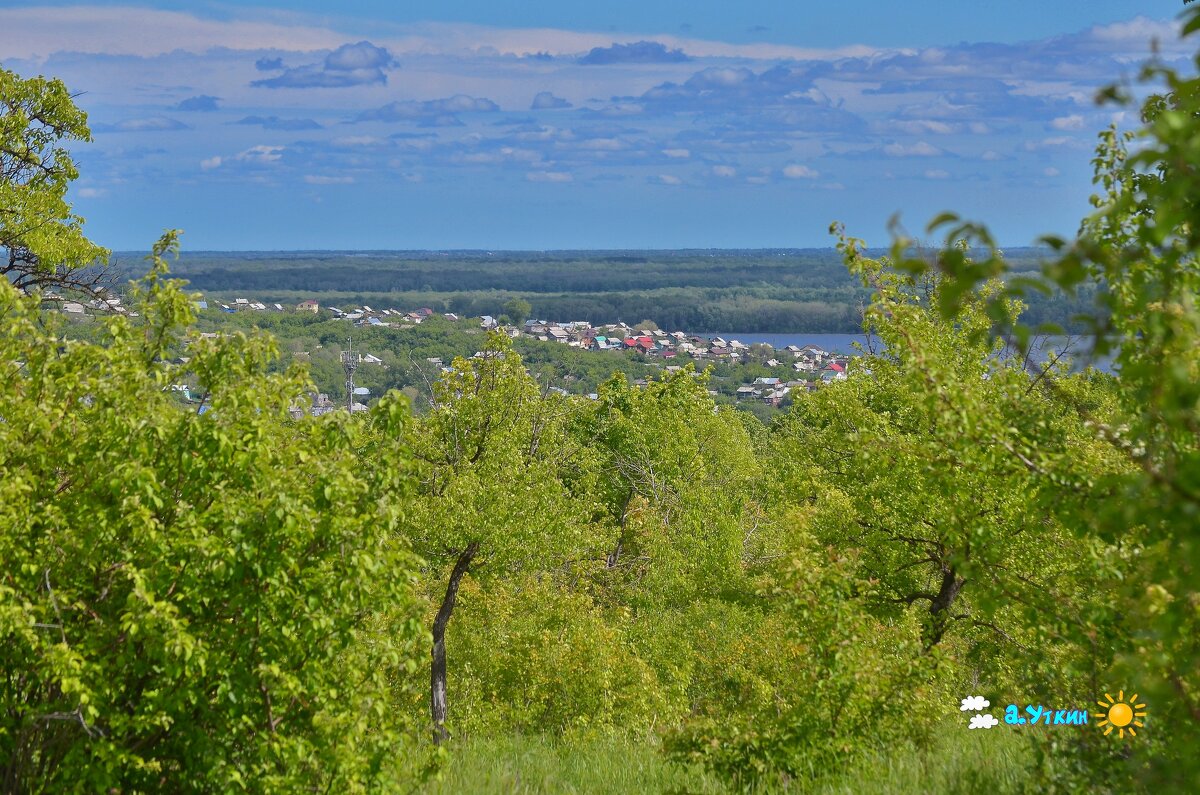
(982, 722)
(974, 703)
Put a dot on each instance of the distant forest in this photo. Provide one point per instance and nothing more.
(764, 291)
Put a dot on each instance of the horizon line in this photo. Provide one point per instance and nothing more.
(489, 251)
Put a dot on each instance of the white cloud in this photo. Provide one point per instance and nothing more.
(992, 155)
(519, 155)
(937, 173)
(505, 154)
(127, 30)
(722, 77)
(1054, 142)
(798, 171)
(549, 176)
(668, 179)
(724, 171)
(1137, 32)
(1072, 122)
(478, 158)
(317, 179)
(923, 126)
(203, 103)
(983, 722)
(602, 144)
(454, 38)
(545, 100)
(357, 64)
(92, 193)
(678, 153)
(973, 704)
(209, 163)
(431, 113)
(351, 141)
(621, 109)
(1051, 171)
(919, 149)
(353, 57)
(261, 154)
(151, 124)
(145, 31)
(636, 52)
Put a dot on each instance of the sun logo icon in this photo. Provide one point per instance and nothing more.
(1121, 714)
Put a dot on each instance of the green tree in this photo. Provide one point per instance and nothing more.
(42, 241)
(491, 498)
(760, 352)
(810, 684)
(196, 597)
(536, 654)
(950, 512)
(915, 539)
(674, 473)
(1139, 251)
(517, 309)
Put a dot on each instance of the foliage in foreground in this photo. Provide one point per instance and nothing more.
(189, 601)
(1142, 246)
(41, 240)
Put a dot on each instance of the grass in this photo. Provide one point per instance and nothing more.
(995, 762)
(960, 761)
(597, 766)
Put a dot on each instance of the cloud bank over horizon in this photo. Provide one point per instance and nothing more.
(280, 132)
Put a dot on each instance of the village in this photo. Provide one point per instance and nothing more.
(810, 366)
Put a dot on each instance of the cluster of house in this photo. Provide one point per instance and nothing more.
(106, 302)
(809, 359)
(321, 403)
(812, 364)
(582, 334)
(360, 316)
(109, 302)
(772, 390)
(659, 343)
(250, 305)
(243, 305)
(366, 316)
(817, 365)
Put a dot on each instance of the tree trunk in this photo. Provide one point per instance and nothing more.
(614, 557)
(437, 670)
(939, 608)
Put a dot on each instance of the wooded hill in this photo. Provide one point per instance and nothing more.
(793, 290)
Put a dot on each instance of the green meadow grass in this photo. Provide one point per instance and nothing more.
(538, 765)
(961, 761)
(994, 762)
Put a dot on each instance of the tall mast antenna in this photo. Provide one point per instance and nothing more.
(349, 364)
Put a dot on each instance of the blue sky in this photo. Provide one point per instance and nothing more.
(569, 125)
